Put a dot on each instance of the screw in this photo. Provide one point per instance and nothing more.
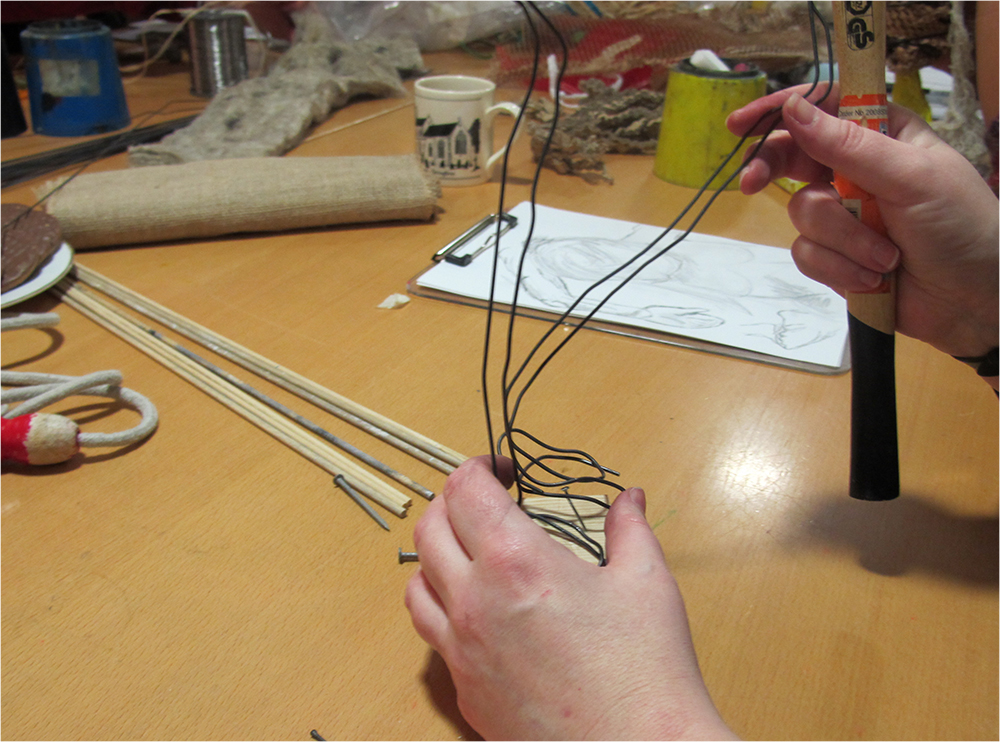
(408, 556)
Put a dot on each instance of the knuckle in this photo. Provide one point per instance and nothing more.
(808, 208)
(510, 559)
(419, 533)
(849, 137)
(409, 593)
(468, 619)
(804, 254)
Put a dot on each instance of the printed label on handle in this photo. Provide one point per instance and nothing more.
(870, 111)
(863, 207)
(859, 24)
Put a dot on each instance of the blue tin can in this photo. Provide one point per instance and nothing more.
(74, 84)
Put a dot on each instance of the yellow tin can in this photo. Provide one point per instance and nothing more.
(693, 139)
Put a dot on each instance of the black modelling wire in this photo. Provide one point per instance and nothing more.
(525, 480)
(491, 300)
(716, 193)
(112, 145)
(581, 322)
(33, 166)
(505, 398)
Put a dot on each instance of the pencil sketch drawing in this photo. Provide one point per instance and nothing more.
(706, 288)
(713, 289)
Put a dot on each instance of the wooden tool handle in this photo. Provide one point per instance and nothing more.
(860, 38)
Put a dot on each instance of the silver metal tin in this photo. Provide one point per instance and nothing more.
(218, 51)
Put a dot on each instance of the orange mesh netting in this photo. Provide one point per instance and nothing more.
(602, 46)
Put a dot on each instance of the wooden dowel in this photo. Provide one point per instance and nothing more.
(318, 453)
(274, 372)
(373, 430)
(315, 451)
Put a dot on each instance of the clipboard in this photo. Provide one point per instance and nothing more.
(465, 248)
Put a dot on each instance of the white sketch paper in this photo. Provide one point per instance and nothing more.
(723, 291)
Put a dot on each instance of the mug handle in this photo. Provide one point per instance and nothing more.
(511, 109)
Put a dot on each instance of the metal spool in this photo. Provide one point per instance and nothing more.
(218, 51)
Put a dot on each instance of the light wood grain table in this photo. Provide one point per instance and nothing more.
(209, 583)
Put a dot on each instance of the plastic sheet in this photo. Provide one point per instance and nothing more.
(434, 26)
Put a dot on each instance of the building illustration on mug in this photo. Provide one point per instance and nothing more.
(449, 148)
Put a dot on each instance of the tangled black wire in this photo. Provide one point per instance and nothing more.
(535, 469)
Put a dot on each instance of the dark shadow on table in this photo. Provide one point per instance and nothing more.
(441, 690)
(56, 338)
(905, 535)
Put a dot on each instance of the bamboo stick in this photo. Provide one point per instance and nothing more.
(318, 453)
(433, 453)
(136, 331)
(373, 430)
(315, 451)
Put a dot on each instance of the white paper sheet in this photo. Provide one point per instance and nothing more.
(723, 291)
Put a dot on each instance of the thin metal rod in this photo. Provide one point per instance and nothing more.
(32, 166)
(342, 483)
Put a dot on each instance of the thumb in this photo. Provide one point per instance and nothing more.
(629, 540)
(882, 166)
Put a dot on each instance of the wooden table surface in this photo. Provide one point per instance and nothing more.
(209, 583)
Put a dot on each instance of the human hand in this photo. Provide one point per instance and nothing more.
(543, 645)
(940, 216)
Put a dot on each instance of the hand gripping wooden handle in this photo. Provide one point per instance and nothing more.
(859, 29)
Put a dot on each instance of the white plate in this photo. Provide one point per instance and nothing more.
(45, 277)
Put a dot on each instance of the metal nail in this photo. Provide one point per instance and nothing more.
(408, 556)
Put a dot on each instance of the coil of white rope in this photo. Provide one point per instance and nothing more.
(34, 437)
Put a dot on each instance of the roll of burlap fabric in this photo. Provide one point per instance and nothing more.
(217, 197)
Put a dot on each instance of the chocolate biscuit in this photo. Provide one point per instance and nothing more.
(29, 239)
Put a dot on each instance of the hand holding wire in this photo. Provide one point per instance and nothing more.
(536, 639)
(940, 216)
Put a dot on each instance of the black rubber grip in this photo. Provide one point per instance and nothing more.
(874, 438)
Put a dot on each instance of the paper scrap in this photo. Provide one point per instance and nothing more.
(394, 301)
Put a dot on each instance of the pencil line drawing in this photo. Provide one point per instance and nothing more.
(714, 289)
(689, 291)
(791, 332)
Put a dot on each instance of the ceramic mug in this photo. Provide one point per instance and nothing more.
(455, 127)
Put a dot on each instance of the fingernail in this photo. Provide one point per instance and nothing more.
(638, 498)
(800, 110)
(870, 279)
(887, 256)
(747, 179)
(729, 118)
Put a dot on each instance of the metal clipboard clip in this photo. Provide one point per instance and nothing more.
(450, 251)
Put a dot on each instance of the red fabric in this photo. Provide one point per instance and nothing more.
(14, 436)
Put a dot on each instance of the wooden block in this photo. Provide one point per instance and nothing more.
(587, 516)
